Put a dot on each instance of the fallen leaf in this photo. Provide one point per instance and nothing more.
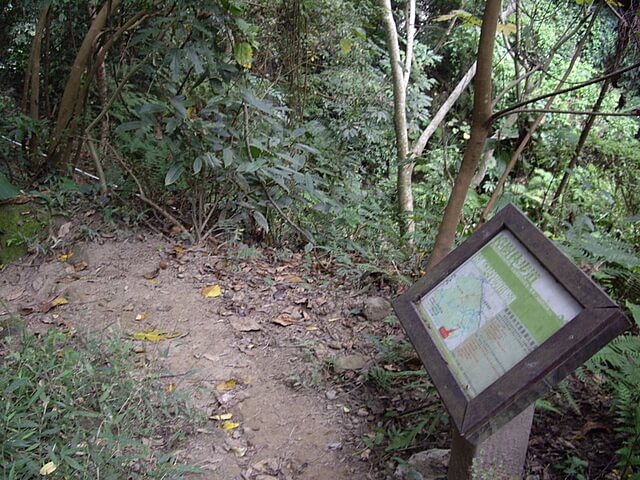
(312, 329)
(171, 388)
(244, 324)
(139, 349)
(227, 385)
(284, 320)
(178, 250)
(15, 295)
(64, 230)
(80, 266)
(230, 425)
(65, 256)
(45, 307)
(48, 468)
(222, 416)
(26, 311)
(141, 317)
(211, 291)
(293, 279)
(155, 335)
(590, 426)
(239, 451)
(151, 275)
(59, 301)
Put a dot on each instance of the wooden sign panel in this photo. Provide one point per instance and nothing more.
(502, 319)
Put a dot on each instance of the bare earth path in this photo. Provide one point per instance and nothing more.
(274, 332)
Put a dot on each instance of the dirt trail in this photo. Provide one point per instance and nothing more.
(274, 329)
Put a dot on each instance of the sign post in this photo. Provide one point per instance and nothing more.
(498, 322)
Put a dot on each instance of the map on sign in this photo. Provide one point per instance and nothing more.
(493, 310)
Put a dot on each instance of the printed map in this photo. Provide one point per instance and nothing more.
(493, 311)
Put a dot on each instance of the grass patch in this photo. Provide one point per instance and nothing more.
(80, 404)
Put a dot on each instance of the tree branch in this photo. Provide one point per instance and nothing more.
(631, 113)
(615, 73)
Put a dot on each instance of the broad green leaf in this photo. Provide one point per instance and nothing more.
(243, 53)
(635, 311)
(173, 174)
(178, 104)
(174, 66)
(195, 60)
(197, 165)
(346, 45)
(135, 125)
(265, 106)
(261, 220)
(6, 189)
(507, 28)
(152, 108)
(227, 157)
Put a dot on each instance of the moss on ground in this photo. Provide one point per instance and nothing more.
(18, 225)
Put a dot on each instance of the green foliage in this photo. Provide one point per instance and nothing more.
(80, 401)
(618, 364)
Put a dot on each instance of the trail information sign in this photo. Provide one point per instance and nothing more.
(503, 318)
(493, 310)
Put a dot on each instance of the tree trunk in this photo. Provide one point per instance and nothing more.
(405, 164)
(31, 93)
(480, 125)
(72, 90)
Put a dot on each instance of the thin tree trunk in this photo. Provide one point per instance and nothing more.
(31, 93)
(534, 126)
(405, 165)
(581, 141)
(72, 90)
(440, 115)
(479, 131)
(47, 68)
(625, 30)
(527, 90)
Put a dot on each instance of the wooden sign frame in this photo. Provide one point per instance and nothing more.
(599, 321)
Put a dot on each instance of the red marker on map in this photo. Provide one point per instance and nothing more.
(444, 332)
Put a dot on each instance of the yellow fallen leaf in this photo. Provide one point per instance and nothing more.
(222, 416)
(141, 317)
(171, 388)
(293, 279)
(312, 329)
(65, 256)
(48, 468)
(178, 249)
(155, 335)
(230, 425)
(59, 301)
(211, 291)
(228, 385)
